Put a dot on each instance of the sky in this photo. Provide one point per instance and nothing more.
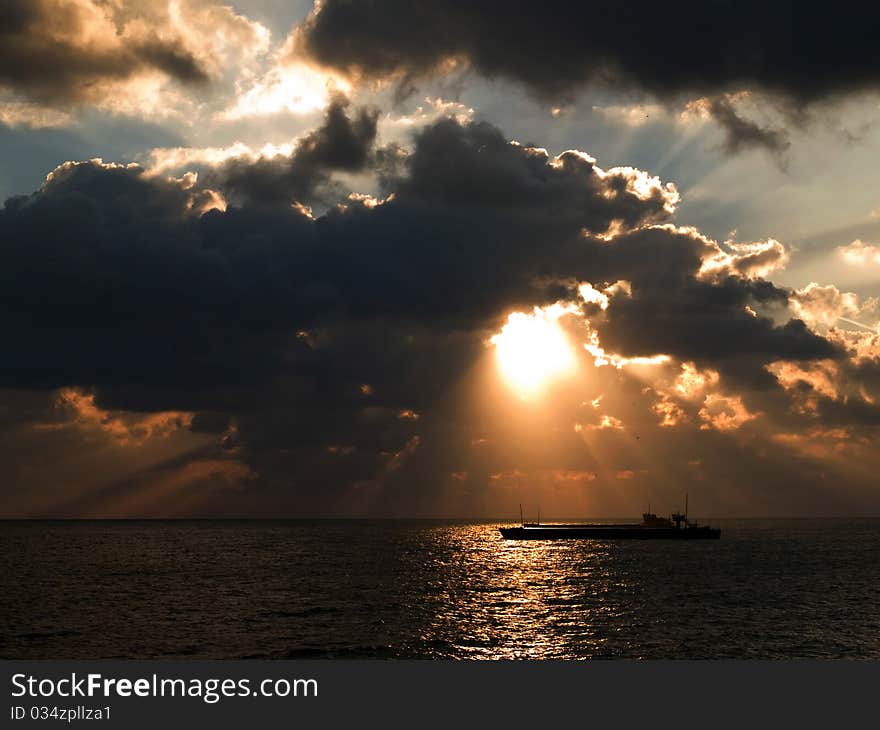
(393, 259)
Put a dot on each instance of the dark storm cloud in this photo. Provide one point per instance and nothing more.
(324, 352)
(58, 52)
(804, 51)
(474, 167)
(706, 321)
(794, 54)
(111, 275)
(340, 144)
(134, 285)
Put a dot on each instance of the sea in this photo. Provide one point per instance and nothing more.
(409, 589)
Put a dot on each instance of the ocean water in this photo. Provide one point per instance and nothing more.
(416, 589)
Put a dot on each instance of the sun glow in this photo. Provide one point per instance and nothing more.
(532, 349)
(296, 89)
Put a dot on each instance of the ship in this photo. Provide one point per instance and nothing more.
(675, 527)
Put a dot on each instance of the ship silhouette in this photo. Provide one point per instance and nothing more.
(675, 527)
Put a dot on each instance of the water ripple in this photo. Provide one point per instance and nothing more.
(385, 589)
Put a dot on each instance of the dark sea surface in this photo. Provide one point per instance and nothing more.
(416, 589)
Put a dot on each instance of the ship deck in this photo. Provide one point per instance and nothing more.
(608, 532)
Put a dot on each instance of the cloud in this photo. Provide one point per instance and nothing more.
(678, 311)
(557, 47)
(669, 413)
(687, 52)
(164, 160)
(340, 144)
(473, 165)
(475, 202)
(125, 429)
(432, 110)
(57, 50)
(142, 294)
(859, 253)
(60, 53)
(742, 133)
(809, 382)
(18, 113)
(604, 422)
(824, 445)
(725, 413)
(694, 395)
(757, 260)
(823, 307)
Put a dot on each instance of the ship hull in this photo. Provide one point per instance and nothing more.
(609, 532)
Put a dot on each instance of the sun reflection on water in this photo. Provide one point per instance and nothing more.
(423, 589)
(505, 600)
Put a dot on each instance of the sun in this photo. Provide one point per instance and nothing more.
(532, 350)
